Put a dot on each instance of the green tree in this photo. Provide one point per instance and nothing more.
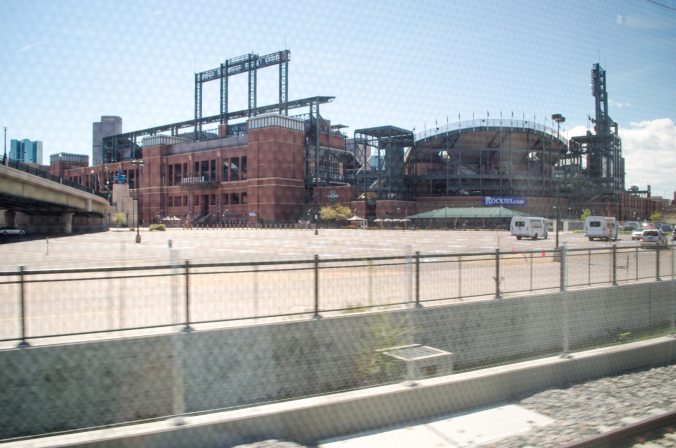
(119, 219)
(655, 217)
(586, 213)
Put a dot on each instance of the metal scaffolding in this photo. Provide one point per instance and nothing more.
(126, 146)
(593, 170)
(381, 175)
(248, 63)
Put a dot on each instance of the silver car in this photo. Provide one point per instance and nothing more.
(638, 233)
(653, 238)
(4, 231)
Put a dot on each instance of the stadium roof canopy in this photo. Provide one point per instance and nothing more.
(468, 212)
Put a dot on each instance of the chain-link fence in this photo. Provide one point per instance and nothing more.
(274, 331)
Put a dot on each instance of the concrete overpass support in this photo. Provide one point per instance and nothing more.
(67, 222)
(10, 217)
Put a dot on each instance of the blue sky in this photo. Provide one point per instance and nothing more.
(410, 64)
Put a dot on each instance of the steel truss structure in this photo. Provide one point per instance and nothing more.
(324, 164)
(486, 156)
(382, 174)
(250, 64)
(593, 170)
(126, 146)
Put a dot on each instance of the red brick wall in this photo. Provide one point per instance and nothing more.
(277, 171)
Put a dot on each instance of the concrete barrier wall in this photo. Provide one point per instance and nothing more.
(71, 386)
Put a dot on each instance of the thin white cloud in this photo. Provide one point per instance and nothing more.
(618, 104)
(649, 150)
(639, 22)
(30, 46)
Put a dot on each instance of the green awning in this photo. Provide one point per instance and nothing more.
(468, 212)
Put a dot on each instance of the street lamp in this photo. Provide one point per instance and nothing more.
(139, 164)
(559, 119)
(4, 159)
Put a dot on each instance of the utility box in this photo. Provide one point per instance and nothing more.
(421, 361)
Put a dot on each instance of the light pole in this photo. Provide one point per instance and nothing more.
(4, 159)
(139, 164)
(559, 119)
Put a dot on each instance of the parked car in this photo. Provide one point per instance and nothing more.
(666, 228)
(653, 238)
(631, 225)
(4, 231)
(638, 233)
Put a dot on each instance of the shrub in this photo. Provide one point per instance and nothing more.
(160, 227)
(119, 219)
(655, 217)
(335, 212)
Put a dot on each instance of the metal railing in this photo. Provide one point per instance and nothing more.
(45, 175)
(50, 303)
(487, 122)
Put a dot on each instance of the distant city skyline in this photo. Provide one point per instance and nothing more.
(25, 151)
(409, 64)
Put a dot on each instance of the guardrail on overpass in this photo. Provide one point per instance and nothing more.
(45, 175)
(39, 202)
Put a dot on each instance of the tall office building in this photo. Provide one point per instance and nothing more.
(26, 151)
(109, 125)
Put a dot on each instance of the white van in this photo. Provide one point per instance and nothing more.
(601, 227)
(528, 226)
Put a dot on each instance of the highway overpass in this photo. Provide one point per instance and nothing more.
(39, 205)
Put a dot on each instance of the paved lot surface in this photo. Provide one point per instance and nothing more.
(225, 245)
(109, 300)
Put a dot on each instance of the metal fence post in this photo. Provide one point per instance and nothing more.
(563, 256)
(22, 308)
(563, 253)
(562, 267)
(417, 279)
(531, 271)
(497, 273)
(614, 264)
(255, 290)
(459, 276)
(657, 263)
(637, 263)
(316, 269)
(187, 326)
(673, 296)
(588, 267)
(370, 281)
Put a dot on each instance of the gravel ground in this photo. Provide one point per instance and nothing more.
(591, 408)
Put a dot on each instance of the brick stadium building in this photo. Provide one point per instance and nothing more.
(272, 167)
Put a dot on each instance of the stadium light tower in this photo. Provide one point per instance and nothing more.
(559, 119)
(4, 159)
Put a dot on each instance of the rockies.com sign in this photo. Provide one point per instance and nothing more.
(500, 201)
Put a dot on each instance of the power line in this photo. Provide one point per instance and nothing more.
(660, 4)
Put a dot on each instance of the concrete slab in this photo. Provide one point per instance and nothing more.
(473, 429)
